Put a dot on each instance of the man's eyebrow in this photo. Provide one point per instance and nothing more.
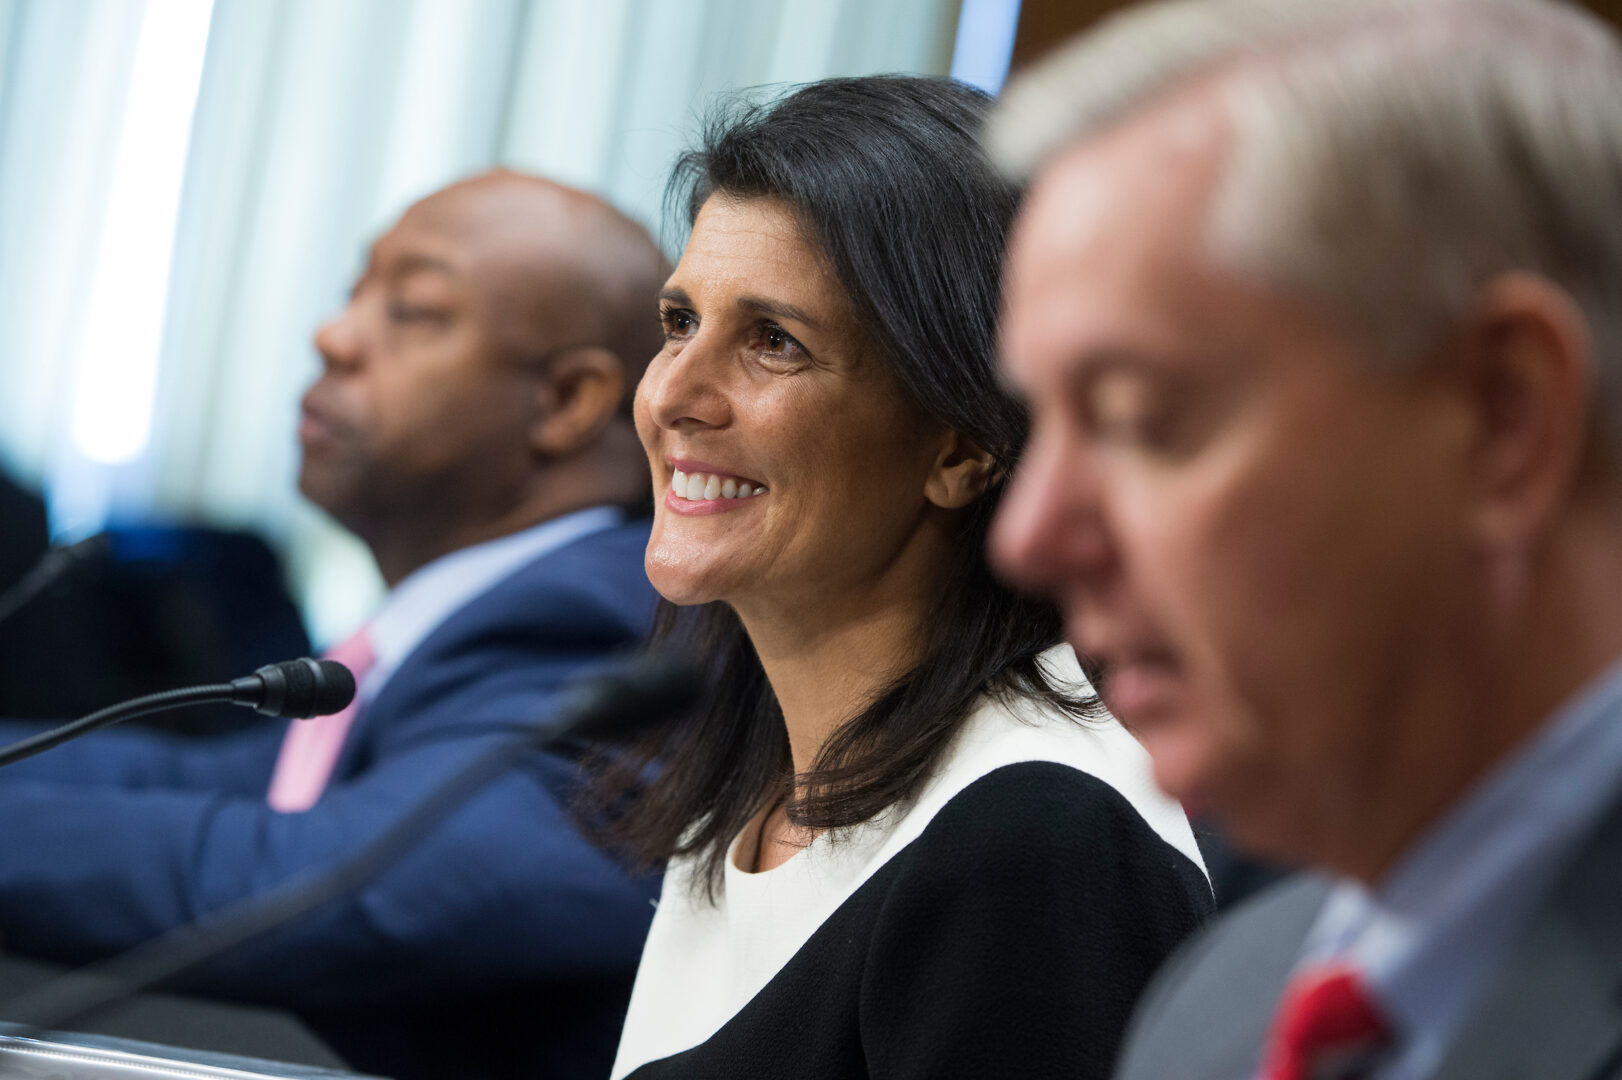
(394, 269)
(1101, 360)
(418, 264)
(777, 308)
(1118, 357)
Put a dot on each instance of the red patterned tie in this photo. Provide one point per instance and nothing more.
(1327, 1027)
(311, 748)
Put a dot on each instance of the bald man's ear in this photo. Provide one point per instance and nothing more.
(961, 474)
(579, 395)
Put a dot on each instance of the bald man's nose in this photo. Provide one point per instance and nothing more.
(337, 340)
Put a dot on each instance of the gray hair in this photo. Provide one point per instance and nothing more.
(1389, 156)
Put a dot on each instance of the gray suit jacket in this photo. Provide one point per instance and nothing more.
(1552, 1009)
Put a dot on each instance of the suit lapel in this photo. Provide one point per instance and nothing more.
(1553, 1009)
(1240, 1028)
(1209, 1013)
(518, 599)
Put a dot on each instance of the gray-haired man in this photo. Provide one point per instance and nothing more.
(1319, 306)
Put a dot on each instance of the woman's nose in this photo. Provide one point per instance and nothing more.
(685, 389)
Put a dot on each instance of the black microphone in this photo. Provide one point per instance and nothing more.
(298, 689)
(292, 688)
(618, 702)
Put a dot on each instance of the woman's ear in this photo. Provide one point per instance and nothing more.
(961, 473)
(580, 393)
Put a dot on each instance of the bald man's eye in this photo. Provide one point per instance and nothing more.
(404, 314)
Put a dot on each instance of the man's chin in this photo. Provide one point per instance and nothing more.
(329, 489)
(1252, 815)
(1180, 760)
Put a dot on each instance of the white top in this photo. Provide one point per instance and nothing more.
(433, 593)
(1425, 940)
(762, 919)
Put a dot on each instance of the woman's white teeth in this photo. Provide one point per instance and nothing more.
(702, 486)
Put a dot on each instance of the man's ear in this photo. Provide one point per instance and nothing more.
(1527, 363)
(961, 473)
(579, 394)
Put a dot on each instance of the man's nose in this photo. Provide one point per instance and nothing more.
(338, 339)
(1051, 531)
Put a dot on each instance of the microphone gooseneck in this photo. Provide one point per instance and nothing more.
(619, 701)
(292, 688)
(52, 567)
(625, 699)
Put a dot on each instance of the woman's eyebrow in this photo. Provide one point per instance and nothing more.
(761, 306)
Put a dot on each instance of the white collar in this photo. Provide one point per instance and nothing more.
(430, 594)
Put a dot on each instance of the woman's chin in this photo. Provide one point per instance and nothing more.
(684, 598)
(679, 581)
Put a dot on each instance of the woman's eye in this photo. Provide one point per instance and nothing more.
(678, 322)
(774, 339)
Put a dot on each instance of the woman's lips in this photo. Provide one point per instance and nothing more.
(702, 506)
(698, 488)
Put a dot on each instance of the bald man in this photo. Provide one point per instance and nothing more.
(470, 425)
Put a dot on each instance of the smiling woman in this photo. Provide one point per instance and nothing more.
(902, 802)
(768, 383)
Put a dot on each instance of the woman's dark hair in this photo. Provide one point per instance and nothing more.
(887, 178)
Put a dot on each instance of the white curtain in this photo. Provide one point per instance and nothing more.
(316, 122)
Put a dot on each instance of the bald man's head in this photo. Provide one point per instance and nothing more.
(477, 380)
(557, 266)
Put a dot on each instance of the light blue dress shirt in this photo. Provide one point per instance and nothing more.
(431, 594)
(1426, 939)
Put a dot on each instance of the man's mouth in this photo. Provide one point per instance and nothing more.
(316, 426)
(318, 421)
(1138, 684)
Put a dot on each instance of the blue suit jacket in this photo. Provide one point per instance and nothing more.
(504, 945)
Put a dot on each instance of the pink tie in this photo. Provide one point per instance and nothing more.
(1327, 1026)
(311, 747)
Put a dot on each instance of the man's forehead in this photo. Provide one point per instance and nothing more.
(486, 220)
(1109, 221)
(491, 260)
(412, 246)
(1152, 173)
